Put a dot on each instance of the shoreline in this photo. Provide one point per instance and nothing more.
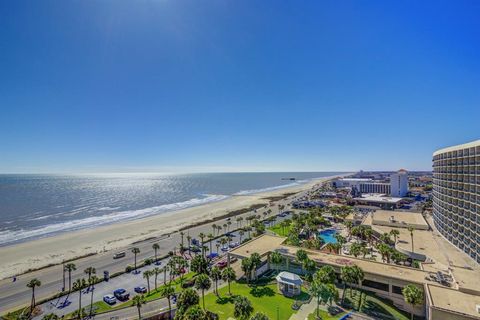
(36, 254)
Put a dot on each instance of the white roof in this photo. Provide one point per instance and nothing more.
(378, 198)
(288, 277)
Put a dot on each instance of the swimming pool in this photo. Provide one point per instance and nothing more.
(328, 235)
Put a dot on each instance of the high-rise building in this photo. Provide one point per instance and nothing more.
(456, 196)
(399, 184)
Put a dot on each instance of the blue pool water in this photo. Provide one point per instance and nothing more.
(328, 235)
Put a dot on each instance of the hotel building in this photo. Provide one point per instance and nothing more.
(456, 196)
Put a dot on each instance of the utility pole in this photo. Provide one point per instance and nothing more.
(63, 267)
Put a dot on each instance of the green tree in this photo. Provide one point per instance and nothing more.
(277, 259)
(138, 301)
(347, 276)
(203, 282)
(413, 296)
(186, 299)
(79, 285)
(89, 272)
(135, 251)
(91, 283)
(259, 316)
(199, 265)
(216, 275)
(242, 308)
(70, 267)
(156, 272)
(146, 275)
(326, 274)
(155, 248)
(32, 284)
(324, 292)
(194, 313)
(395, 233)
(168, 291)
(228, 274)
(247, 268)
(256, 261)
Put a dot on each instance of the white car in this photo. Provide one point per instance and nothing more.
(109, 299)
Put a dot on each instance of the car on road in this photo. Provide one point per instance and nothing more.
(121, 294)
(222, 264)
(140, 289)
(234, 245)
(119, 255)
(109, 299)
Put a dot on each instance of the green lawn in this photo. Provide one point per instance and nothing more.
(283, 232)
(264, 298)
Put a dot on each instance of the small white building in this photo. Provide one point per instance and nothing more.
(289, 284)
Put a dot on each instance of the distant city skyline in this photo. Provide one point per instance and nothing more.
(169, 86)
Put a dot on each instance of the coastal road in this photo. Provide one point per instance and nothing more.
(15, 294)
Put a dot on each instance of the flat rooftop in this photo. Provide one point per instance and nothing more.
(261, 245)
(453, 300)
(399, 218)
(371, 267)
(356, 179)
(380, 198)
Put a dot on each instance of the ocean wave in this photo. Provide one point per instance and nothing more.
(10, 236)
(254, 191)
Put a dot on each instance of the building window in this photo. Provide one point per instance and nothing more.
(375, 285)
(397, 290)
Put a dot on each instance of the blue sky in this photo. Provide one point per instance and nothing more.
(165, 85)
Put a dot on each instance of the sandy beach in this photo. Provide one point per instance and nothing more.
(34, 254)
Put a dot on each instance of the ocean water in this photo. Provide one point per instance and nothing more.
(34, 206)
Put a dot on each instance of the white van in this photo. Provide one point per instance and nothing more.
(119, 255)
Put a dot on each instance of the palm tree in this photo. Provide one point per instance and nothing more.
(203, 282)
(411, 229)
(70, 267)
(346, 274)
(138, 301)
(214, 228)
(155, 247)
(210, 240)
(89, 271)
(32, 284)
(241, 233)
(413, 296)
(324, 292)
(146, 275)
(228, 274)
(256, 261)
(182, 234)
(216, 275)
(202, 239)
(276, 258)
(194, 313)
(168, 291)
(79, 284)
(326, 274)
(50, 316)
(165, 269)
(243, 308)
(93, 280)
(135, 251)
(357, 274)
(189, 239)
(239, 221)
(156, 272)
(395, 233)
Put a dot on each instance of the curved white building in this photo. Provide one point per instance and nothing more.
(456, 196)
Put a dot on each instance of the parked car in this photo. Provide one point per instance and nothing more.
(222, 264)
(121, 294)
(188, 284)
(140, 289)
(234, 244)
(109, 299)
